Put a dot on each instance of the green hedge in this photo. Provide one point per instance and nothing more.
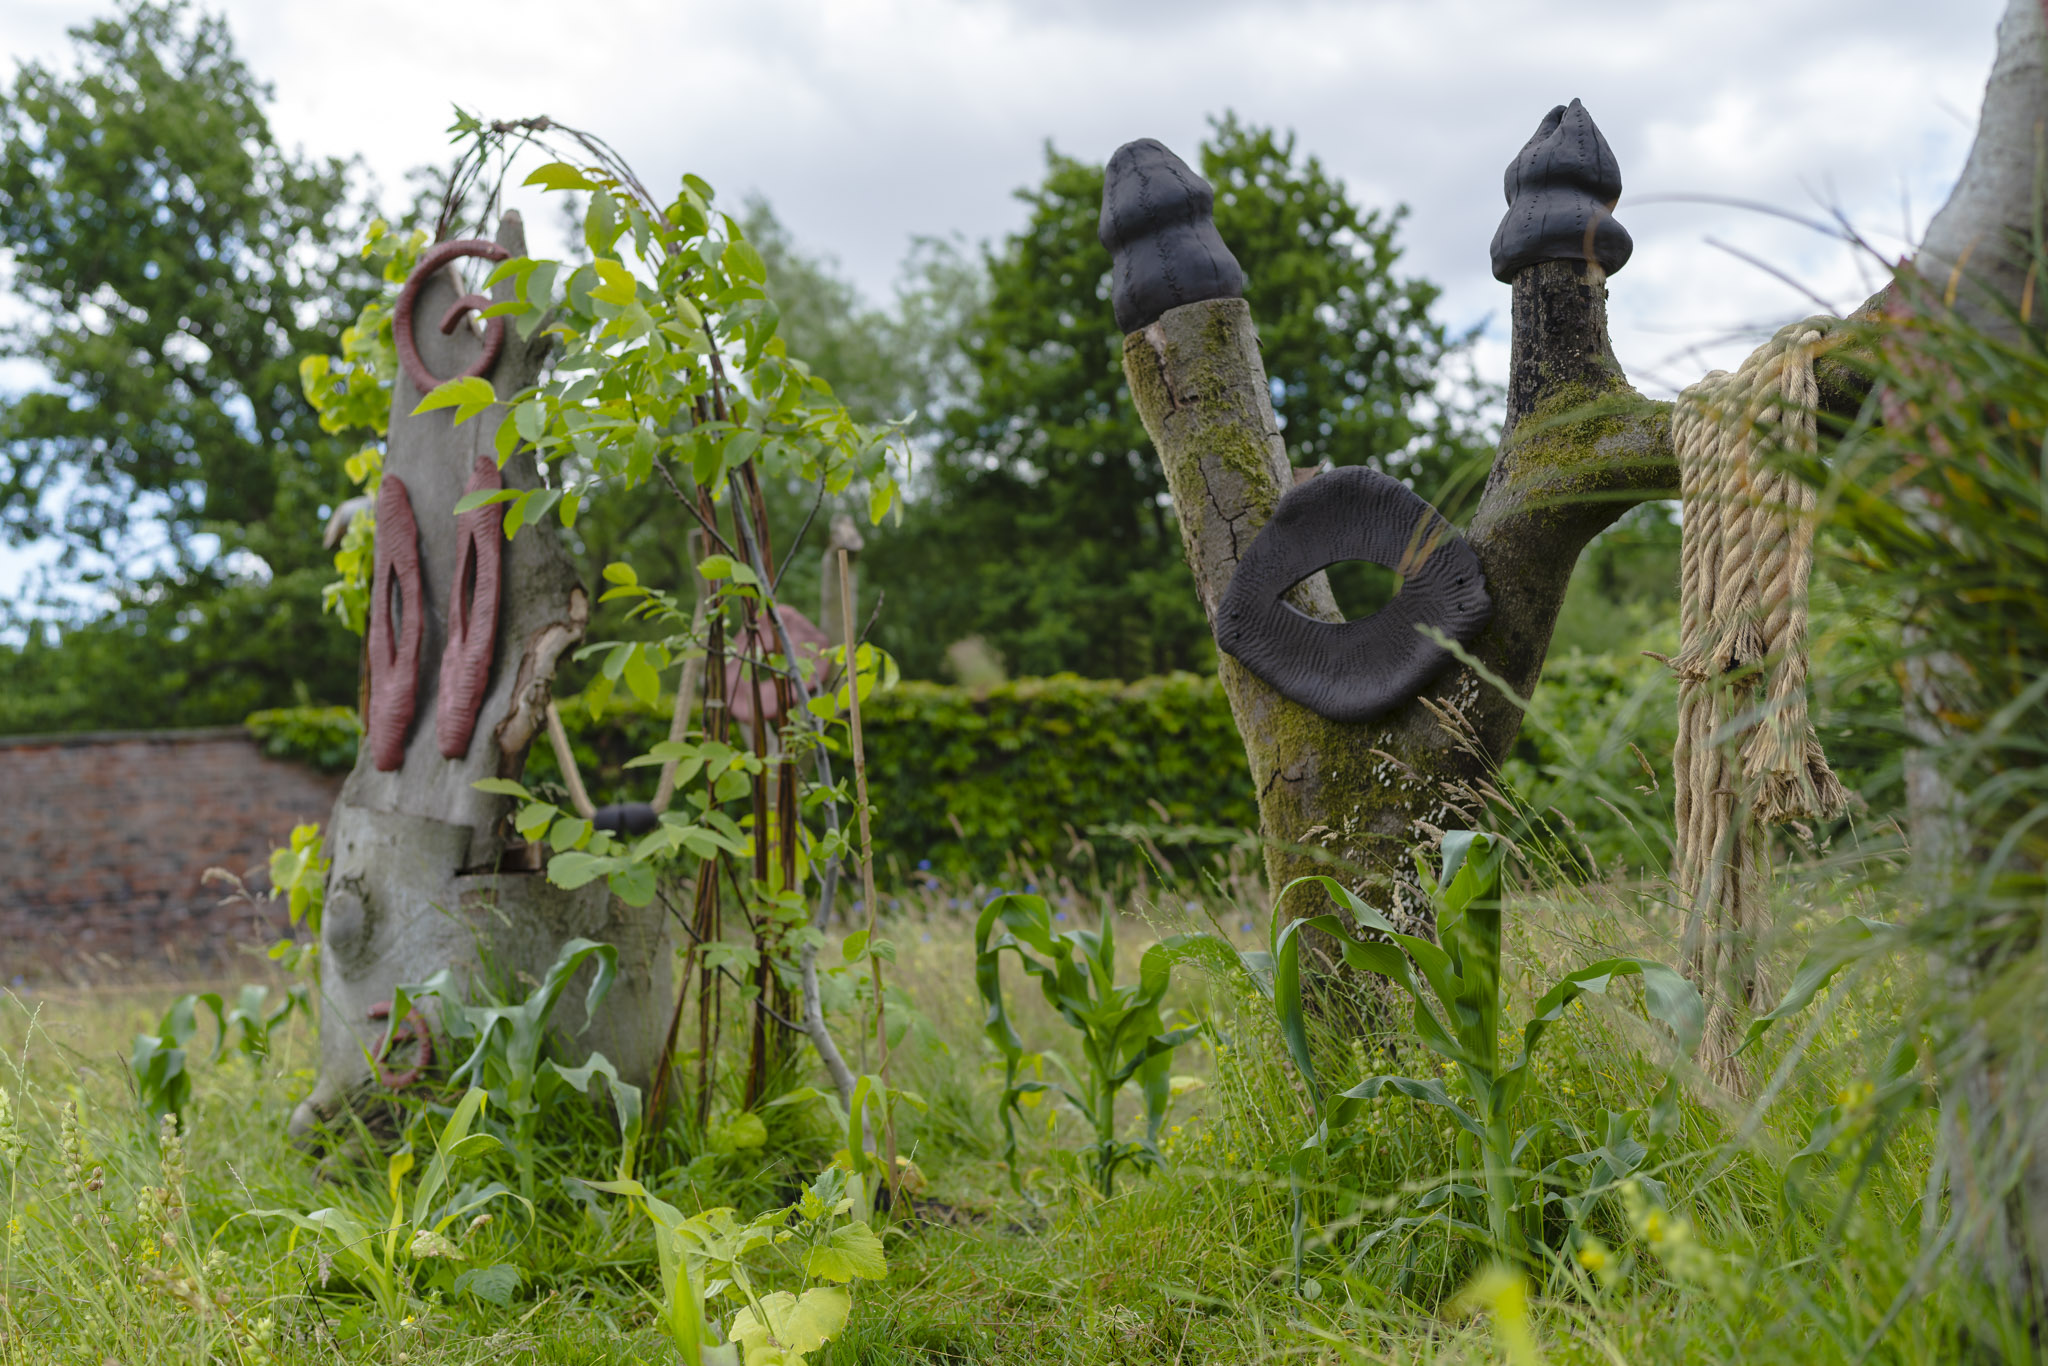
(1024, 767)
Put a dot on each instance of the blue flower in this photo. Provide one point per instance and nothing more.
(924, 865)
(1059, 915)
(1245, 926)
(1031, 887)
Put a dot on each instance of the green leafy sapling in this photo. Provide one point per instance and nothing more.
(1123, 1033)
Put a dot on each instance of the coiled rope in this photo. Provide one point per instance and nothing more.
(1746, 755)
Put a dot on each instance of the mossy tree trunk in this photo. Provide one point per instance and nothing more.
(1579, 449)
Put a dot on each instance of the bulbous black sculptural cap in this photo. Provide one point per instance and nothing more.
(1164, 250)
(1562, 189)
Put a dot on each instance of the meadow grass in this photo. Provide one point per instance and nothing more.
(109, 1256)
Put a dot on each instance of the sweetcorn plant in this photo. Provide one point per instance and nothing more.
(505, 1041)
(1458, 1014)
(1123, 1034)
(384, 1253)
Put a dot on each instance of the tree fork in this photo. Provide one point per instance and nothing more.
(1581, 447)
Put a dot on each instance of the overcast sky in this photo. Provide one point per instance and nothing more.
(865, 122)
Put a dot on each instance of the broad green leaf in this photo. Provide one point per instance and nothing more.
(560, 175)
(491, 1284)
(634, 884)
(1428, 1092)
(486, 497)
(794, 1324)
(744, 261)
(741, 1132)
(573, 870)
(641, 678)
(849, 1251)
(618, 285)
(468, 396)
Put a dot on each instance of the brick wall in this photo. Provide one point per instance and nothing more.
(106, 837)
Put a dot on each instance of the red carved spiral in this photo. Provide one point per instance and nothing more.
(472, 614)
(439, 255)
(394, 649)
(414, 1028)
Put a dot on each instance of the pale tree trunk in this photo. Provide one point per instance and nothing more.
(427, 873)
(1979, 253)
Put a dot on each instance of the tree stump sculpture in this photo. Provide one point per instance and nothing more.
(465, 635)
(1351, 777)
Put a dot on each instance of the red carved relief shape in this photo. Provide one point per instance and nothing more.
(472, 614)
(810, 644)
(390, 1071)
(396, 625)
(438, 256)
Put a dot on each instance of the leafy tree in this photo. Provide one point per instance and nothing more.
(174, 261)
(1045, 525)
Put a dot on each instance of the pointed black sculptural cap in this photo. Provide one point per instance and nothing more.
(1561, 193)
(1164, 250)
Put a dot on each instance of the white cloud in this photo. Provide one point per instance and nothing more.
(866, 121)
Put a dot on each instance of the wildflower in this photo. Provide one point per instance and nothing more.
(427, 1243)
(71, 1141)
(13, 1143)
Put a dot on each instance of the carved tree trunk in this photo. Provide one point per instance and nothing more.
(426, 871)
(1581, 446)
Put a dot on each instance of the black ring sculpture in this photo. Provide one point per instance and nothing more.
(1352, 670)
(1562, 187)
(626, 818)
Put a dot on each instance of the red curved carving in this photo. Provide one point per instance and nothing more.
(810, 644)
(439, 255)
(394, 647)
(472, 614)
(414, 1028)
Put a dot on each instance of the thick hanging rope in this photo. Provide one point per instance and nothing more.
(1746, 755)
